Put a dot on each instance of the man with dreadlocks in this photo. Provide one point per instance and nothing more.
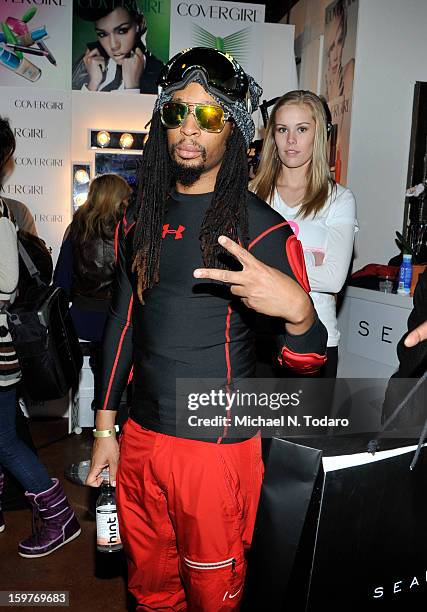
(187, 506)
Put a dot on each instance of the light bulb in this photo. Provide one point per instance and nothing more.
(103, 138)
(126, 141)
(81, 176)
(79, 199)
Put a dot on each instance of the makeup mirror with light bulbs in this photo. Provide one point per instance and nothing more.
(81, 179)
(116, 151)
(119, 140)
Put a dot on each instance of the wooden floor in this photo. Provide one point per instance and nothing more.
(95, 581)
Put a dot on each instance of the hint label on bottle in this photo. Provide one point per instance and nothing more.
(107, 526)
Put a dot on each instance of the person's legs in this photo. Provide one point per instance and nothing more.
(14, 453)
(13, 492)
(145, 526)
(95, 365)
(213, 494)
(197, 497)
(58, 524)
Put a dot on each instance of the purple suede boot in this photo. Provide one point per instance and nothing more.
(54, 522)
(2, 525)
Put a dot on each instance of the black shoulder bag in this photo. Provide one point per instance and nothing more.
(45, 339)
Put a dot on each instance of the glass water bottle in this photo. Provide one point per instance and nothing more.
(107, 524)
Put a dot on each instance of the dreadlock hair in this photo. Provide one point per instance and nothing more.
(227, 214)
(154, 182)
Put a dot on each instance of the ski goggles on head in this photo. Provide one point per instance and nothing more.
(209, 117)
(223, 74)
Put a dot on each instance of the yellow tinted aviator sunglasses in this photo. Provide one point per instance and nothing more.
(209, 117)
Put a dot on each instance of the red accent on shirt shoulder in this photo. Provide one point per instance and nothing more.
(265, 233)
(295, 256)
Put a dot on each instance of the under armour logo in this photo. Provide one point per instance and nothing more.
(178, 232)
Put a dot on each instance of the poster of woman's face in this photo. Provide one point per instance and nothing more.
(109, 51)
(337, 78)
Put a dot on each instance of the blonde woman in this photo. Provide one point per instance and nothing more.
(294, 178)
(86, 263)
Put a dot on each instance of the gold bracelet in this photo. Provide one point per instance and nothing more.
(105, 433)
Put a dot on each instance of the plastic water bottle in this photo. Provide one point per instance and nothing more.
(405, 275)
(107, 524)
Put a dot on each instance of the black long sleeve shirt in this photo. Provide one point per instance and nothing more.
(190, 328)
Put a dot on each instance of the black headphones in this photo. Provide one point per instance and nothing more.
(328, 116)
(267, 103)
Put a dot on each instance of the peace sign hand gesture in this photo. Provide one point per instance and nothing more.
(264, 289)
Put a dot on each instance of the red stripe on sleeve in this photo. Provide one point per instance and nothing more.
(228, 362)
(116, 360)
(116, 241)
(227, 343)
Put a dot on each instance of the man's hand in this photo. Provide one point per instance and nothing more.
(133, 67)
(264, 289)
(417, 335)
(105, 454)
(95, 66)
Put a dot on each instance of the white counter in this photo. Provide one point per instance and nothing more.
(371, 324)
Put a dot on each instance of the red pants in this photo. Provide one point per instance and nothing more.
(186, 513)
